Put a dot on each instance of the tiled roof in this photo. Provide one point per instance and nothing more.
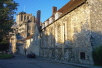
(70, 6)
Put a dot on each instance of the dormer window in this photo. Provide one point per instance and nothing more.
(46, 23)
(51, 19)
(57, 15)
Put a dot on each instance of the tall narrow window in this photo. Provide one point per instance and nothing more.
(24, 17)
(21, 18)
(59, 33)
(28, 18)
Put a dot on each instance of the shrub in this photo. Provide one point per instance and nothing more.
(97, 55)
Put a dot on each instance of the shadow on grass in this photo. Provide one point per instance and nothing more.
(6, 56)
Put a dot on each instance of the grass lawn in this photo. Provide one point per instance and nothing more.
(5, 56)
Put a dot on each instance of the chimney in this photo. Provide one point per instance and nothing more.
(38, 17)
(54, 9)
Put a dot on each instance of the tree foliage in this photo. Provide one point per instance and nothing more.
(4, 46)
(7, 11)
(97, 55)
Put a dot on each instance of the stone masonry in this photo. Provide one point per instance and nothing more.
(70, 33)
(71, 37)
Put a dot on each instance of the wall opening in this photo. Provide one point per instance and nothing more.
(82, 55)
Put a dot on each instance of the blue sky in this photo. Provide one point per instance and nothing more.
(32, 6)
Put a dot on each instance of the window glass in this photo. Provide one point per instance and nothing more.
(82, 55)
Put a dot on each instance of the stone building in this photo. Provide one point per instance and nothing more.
(25, 24)
(33, 41)
(22, 29)
(12, 42)
(71, 32)
(36, 41)
(68, 35)
(28, 28)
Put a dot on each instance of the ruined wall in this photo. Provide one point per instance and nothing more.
(29, 45)
(96, 21)
(68, 37)
(35, 46)
(13, 43)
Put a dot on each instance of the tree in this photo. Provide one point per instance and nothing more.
(7, 11)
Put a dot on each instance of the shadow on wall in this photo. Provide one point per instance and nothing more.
(96, 38)
(78, 50)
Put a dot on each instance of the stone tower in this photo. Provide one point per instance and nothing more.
(25, 24)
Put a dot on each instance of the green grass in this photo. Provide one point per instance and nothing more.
(5, 56)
